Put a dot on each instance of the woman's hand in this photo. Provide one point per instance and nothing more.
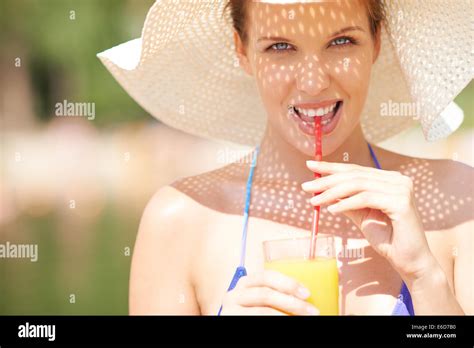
(267, 293)
(381, 204)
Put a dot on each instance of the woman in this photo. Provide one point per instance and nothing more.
(308, 59)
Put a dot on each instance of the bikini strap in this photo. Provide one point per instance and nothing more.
(247, 206)
(374, 158)
(240, 270)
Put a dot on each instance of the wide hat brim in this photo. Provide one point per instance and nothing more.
(184, 70)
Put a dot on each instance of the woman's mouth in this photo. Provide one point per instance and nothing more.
(306, 117)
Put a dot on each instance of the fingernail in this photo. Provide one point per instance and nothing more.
(305, 185)
(310, 162)
(312, 310)
(303, 293)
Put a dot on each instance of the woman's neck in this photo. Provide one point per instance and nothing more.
(279, 160)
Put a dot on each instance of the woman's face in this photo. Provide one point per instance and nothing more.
(318, 53)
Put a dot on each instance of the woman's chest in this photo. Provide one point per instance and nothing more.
(367, 283)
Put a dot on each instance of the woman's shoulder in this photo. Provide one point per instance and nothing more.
(394, 161)
(219, 190)
(194, 199)
(171, 204)
(443, 188)
(434, 175)
(443, 192)
(166, 236)
(170, 218)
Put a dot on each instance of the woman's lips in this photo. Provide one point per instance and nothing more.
(307, 124)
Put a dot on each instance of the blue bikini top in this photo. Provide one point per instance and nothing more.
(404, 305)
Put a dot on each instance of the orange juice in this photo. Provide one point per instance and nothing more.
(320, 276)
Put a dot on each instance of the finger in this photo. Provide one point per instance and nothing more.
(326, 182)
(336, 167)
(349, 188)
(277, 281)
(387, 204)
(333, 167)
(268, 297)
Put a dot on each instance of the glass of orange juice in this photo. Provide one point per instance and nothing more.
(319, 275)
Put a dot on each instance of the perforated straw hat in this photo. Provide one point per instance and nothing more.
(184, 70)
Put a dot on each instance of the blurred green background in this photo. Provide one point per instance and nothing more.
(110, 166)
(57, 42)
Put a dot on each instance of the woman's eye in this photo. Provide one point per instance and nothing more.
(342, 41)
(279, 47)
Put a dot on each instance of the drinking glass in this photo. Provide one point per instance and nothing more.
(319, 275)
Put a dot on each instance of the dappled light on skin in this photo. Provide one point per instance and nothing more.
(278, 198)
(308, 67)
(293, 57)
(311, 72)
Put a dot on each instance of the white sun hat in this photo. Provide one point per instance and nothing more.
(184, 70)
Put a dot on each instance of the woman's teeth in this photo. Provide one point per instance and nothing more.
(308, 115)
(305, 117)
(317, 112)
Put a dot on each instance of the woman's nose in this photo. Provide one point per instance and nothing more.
(311, 76)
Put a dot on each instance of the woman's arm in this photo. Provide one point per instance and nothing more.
(464, 265)
(431, 293)
(381, 204)
(160, 281)
(432, 287)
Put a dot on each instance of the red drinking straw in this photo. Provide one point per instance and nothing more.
(318, 154)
